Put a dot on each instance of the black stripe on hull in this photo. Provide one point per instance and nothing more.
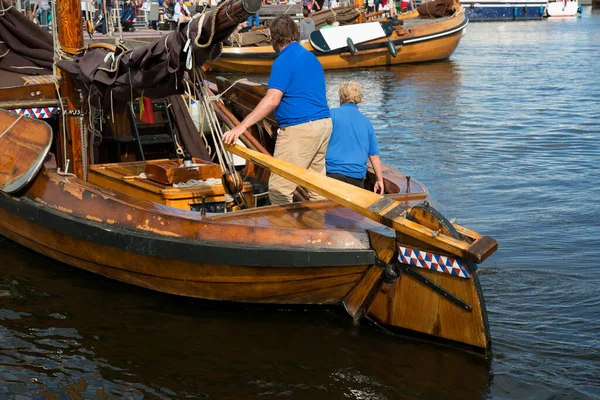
(181, 248)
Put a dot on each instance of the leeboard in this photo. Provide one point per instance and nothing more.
(374, 206)
(336, 38)
(24, 143)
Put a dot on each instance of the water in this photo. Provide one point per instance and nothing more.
(506, 137)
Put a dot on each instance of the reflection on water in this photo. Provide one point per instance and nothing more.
(504, 135)
(79, 334)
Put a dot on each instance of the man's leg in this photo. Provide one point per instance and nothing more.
(281, 190)
(44, 19)
(322, 129)
(303, 145)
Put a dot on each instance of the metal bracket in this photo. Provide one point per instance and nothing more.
(433, 286)
(70, 113)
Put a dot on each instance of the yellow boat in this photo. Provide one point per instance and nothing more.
(418, 39)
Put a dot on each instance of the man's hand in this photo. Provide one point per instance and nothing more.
(379, 188)
(230, 137)
(266, 105)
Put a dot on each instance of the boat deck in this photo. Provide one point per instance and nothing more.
(306, 215)
(420, 21)
(317, 215)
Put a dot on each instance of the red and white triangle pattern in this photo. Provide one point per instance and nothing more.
(434, 262)
(42, 112)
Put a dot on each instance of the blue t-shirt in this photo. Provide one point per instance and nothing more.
(352, 141)
(299, 75)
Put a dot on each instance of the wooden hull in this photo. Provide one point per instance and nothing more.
(418, 41)
(272, 255)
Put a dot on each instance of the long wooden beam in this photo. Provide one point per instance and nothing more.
(374, 206)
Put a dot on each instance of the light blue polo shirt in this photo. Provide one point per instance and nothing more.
(299, 75)
(352, 141)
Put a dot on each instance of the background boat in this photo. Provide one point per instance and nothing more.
(566, 8)
(504, 10)
(419, 39)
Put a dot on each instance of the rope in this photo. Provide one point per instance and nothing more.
(217, 97)
(212, 28)
(225, 158)
(84, 148)
(191, 97)
(11, 126)
(4, 10)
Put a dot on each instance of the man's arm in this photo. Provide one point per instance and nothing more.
(376, 163)
(263, 108)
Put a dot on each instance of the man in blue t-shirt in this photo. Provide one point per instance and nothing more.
(296, 92)
(353, 141)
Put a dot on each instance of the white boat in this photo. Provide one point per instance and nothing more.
(504, 10)
(563, 8)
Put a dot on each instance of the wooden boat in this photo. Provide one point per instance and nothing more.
(390, 259)
(419, 39)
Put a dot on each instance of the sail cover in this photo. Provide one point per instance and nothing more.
(111, 78)
(25, 48)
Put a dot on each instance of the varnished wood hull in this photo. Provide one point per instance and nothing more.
(178, 252)
(429, 41)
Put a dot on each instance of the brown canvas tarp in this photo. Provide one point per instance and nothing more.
(186, 130)
(25, 48)
(437, 8)
(155, 70)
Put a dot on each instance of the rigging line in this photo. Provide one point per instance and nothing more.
(12, 125)
(212, 115)
(192, 97)
(223, 156)
(212, 28)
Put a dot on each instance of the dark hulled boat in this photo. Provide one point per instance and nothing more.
(391, 259)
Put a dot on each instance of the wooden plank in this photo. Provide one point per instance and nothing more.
(369, 204)
(359, 294)
(298, 285)
(411, 305)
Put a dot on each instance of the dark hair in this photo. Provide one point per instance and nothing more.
(283, 30)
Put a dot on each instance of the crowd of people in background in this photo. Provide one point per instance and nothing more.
(176, 11)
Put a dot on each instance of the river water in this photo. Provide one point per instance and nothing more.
(505, 135)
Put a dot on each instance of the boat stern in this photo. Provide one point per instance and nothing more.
(416, 289)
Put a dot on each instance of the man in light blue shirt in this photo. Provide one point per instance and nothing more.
(353, 141)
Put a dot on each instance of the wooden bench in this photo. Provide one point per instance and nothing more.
(127, 178)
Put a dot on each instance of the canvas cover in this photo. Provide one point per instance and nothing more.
(25, 48)
(111, 79)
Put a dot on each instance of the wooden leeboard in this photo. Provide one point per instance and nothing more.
(374, 206)
(24, 143)
(336, 38)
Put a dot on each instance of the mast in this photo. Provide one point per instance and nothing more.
(70, 35)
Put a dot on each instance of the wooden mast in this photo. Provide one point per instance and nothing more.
(70, 35)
